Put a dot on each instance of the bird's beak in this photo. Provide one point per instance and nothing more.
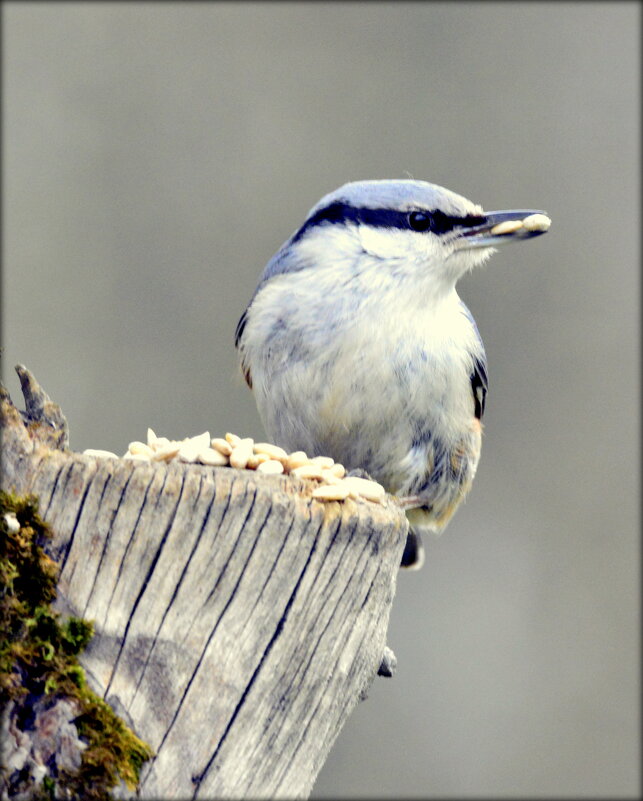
(498, 227)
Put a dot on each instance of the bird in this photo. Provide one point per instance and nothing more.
(356, 344)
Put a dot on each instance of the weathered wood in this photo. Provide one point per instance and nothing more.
(238, 621)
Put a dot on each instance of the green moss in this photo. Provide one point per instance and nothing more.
(38, 657)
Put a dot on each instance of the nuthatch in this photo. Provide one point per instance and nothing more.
(357, 345)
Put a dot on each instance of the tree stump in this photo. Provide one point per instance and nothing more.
(238, 621)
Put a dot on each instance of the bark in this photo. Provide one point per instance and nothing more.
(238, 621)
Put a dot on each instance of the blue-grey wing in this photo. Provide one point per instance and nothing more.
(238, 335)
(239, 329)
(479, 385)
(479, 378)
(282, 262)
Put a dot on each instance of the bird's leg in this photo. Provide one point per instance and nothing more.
(410, 501)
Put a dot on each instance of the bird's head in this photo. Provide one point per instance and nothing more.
(401, 228)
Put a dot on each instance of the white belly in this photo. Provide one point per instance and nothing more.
(389, 393)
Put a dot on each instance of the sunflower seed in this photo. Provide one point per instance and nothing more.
(329, 478)
(241, 453)
(210, 456)
(222, 445)
(140, 447)
(271, 466)
(201, 441)
(256, 459)
(323, 461)
(506, 227)
(295, 460)
(187, 453)
(536, 222)
(273, 451)
(166, 452)
(308, 471)
(190, 448)
(370, 490)
(137, 457)
(336, 469)
(97, 453)
(331, 492)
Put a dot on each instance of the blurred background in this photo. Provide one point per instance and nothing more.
(157, 154)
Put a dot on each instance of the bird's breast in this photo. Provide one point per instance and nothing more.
(385, 387)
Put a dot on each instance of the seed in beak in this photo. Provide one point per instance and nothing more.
(536, 222)
(508, 226)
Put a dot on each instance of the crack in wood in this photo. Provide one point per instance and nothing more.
(70, 543)
(63, 467)
(304, 668)
(175, 592)
(144, 586)
(212, 633)
(131, 539)
(198, 779)
(105, 545)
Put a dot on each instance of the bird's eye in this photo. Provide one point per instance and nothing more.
(419, 221)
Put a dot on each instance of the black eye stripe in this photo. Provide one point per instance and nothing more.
(438, 221)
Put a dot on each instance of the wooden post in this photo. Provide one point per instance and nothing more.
(238, 621)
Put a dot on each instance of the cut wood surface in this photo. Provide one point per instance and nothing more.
(238, 621)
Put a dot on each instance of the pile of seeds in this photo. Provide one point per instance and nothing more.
(244, 453)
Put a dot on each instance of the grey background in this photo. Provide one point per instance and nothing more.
(156, 155)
